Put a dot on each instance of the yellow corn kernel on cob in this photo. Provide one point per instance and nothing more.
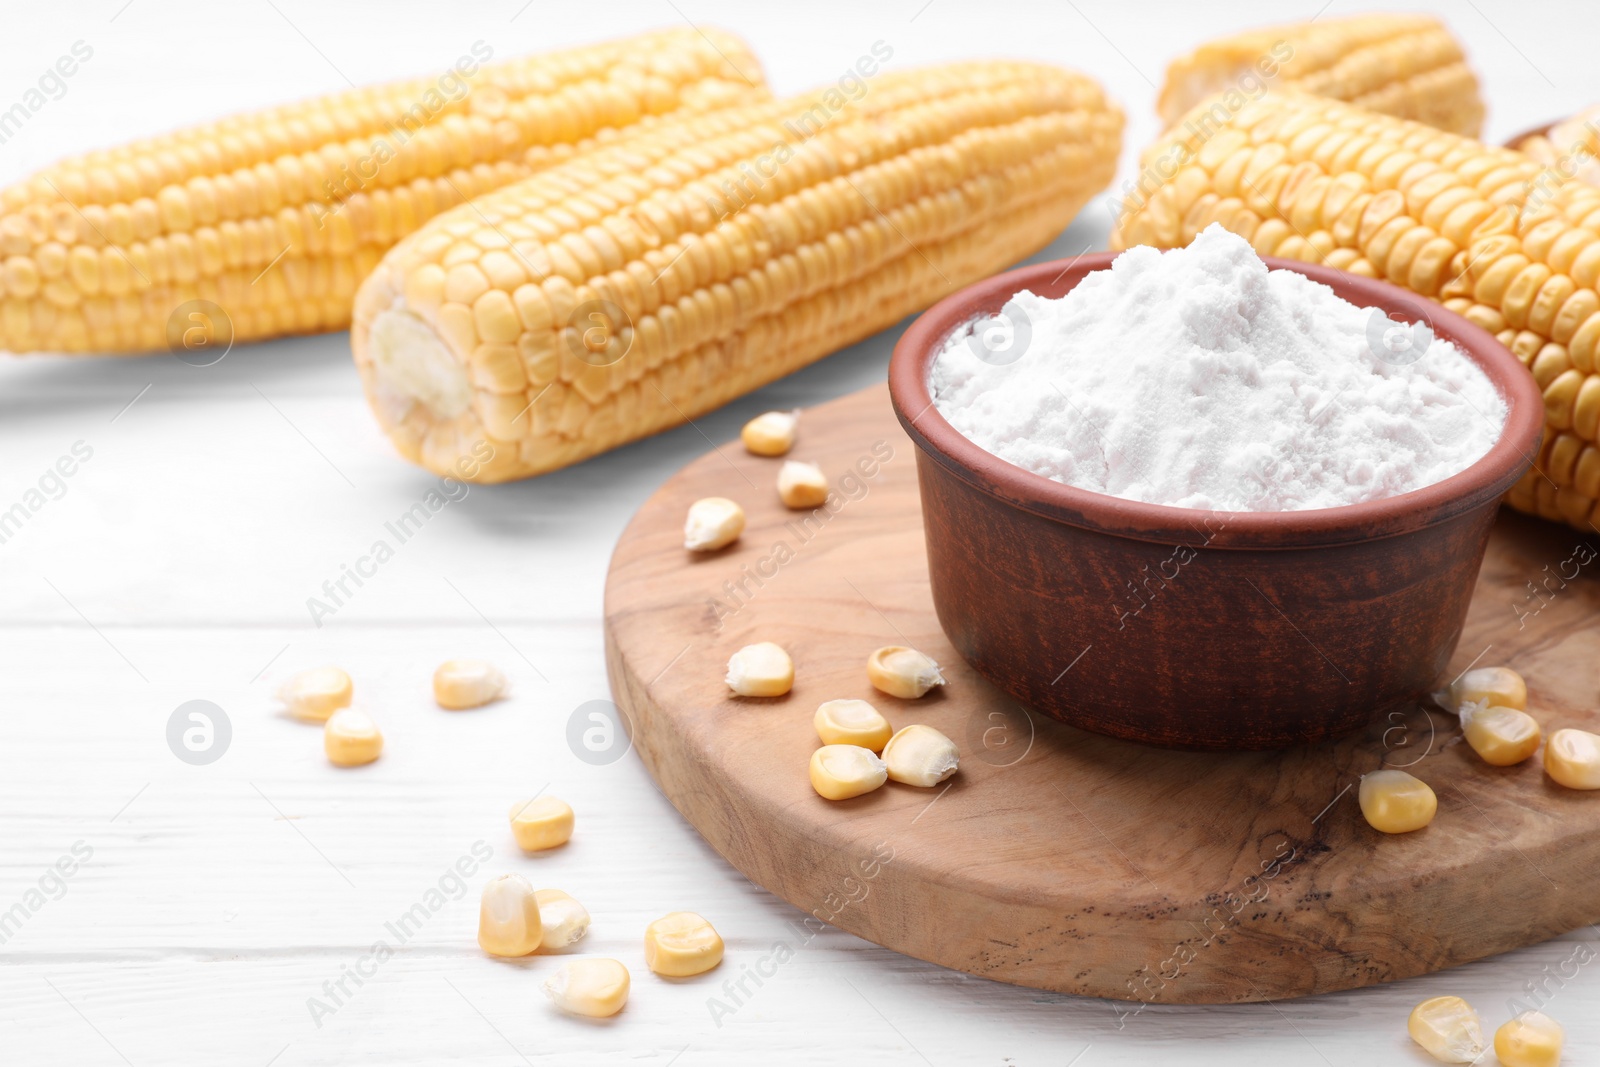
(276, 216)
(1487, 232)
(632, 289)
(1571, 146)
(1408, 66)
(1564, 485)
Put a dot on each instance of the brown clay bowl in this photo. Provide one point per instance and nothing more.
(1201, 629)
(1537, 131)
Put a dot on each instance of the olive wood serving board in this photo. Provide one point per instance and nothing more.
(1060, 859)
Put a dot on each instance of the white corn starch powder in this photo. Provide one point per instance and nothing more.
(1200, 379)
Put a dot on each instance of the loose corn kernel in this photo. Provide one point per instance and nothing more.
(1532, 1039)
(839, 772)
(317, 693)
(920, 755)
(903, 672)
(562, 920)
(713, 523)
(1396, 802)
(760, 670)
(771, 434)
(681, 944)
(351, 738)
(1499, 687)
(508, 917)
(1572, 759)
(1502, 736)
(467, 683)
(801, 485)
(541, 823)
(1448, 1028)
(593, 987)
(852, 722)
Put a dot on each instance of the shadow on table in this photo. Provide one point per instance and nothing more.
(53, 388)
(49, 386)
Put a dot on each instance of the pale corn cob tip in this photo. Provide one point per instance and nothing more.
(273, 218)
(1488, 232)
(1409, 66)
(632, 289)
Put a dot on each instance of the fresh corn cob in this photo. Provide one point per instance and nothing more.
(632, 289)
(1571, 146)
(1565, 483)
(1408, 66)
(276, 216)
(1487, 232)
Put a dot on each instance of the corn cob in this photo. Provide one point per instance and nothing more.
(1487, 232)
(1408, 66)
(1571, 146)
(1565, 484)
(632, 289)
(276, 216)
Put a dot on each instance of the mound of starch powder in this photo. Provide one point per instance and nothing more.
(1200, 379)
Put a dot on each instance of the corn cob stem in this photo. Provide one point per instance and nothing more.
(1408, 66)
(1487, 232)
(276, 216)
(631, 290)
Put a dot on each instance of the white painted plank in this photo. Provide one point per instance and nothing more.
(237, 888)
(835, 994)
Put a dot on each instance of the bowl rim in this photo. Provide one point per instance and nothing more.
(1485, 480)
(1514, 142)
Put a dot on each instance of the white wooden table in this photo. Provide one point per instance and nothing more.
(210, 906)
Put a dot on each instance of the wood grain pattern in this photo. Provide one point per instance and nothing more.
(1060, 859)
